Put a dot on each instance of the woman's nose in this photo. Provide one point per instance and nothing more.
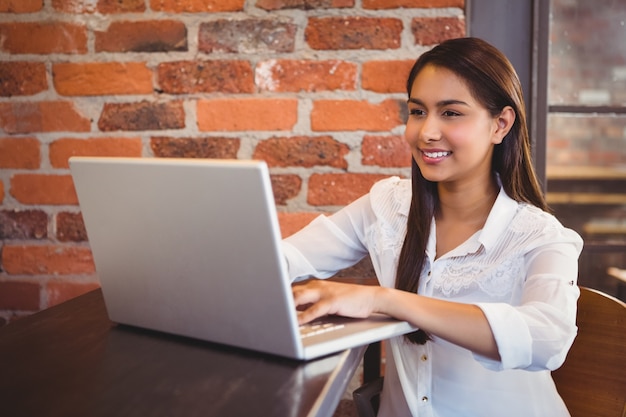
(429, 130)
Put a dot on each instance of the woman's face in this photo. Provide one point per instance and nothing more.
(451, 135)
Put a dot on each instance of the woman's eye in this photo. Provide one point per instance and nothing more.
(450, 113)
(416, 112)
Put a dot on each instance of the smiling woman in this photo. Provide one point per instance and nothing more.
(450, 132)
(464, 251)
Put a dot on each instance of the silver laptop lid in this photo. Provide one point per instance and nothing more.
(189, 247)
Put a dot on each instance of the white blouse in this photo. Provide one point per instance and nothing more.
(520, 269)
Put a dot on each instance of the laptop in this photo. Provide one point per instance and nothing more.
(191, 247)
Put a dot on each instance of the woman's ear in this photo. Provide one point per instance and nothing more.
(504, 123)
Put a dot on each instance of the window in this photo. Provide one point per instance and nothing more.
(586, 131)
(587, 87)
(571, 58)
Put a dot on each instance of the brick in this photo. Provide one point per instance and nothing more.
(339, 115)
(197, 6)
(42, 116)
(62, 149)
(302, 151)
(43, 189)
(184, 77)
(50, 259)
(120, 6)
(102, 78)
(20, 6)
(75, 6)
(335, 33)
(142, 36)
(386, 151)
(43, 38)
(246, 36)
(253, 114)
(291, 222)
(20, 153)
(19, 296)
(386, 76)
(100, 6)
(309, 76)
(339, 189)
(434, 30)
(70, 227)
(285, 187)
(60, 291)
(22, 78)
(395, 4)
(142, 115)
(23, 224)
(214, 147)
(303, 4)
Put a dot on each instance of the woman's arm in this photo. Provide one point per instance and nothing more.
(534, 335)
(329, 243)
(462, 324)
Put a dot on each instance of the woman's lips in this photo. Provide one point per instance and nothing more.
(434, 156)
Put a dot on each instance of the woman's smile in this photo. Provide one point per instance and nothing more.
(434, 156)
(451, 133)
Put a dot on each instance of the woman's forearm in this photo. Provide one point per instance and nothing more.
(464, 325)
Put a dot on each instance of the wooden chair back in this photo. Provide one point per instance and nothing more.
(592, 381)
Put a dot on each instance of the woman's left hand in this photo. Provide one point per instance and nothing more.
(317, 298)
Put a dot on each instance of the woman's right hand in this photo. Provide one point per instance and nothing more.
(317, 298)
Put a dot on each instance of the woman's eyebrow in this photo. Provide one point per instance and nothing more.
(441, 103)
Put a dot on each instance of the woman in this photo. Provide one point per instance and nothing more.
(466, 251)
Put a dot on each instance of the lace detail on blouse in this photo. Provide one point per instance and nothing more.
(390, 198)
(473, 274)
(500, 271)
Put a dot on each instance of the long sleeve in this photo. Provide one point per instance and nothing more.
(328, 244)
(537, 334)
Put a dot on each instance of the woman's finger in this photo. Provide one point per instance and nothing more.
(303, 294)
(313, 312)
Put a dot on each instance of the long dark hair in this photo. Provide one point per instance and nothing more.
(492, 80)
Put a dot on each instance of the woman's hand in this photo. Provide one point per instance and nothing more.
(317, 298)
(459, 323)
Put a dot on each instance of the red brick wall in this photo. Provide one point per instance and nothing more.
(314, 87)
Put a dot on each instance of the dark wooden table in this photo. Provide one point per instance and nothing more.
(70, 360)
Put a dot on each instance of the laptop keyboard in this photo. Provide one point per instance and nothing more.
(318, 327)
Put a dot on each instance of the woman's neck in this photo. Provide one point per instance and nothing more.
(463, 211)
(468, 202)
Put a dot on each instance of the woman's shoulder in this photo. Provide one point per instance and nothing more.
(391, 194)
(395, 186)
(535, 218)
(390, 200)
(533, 221)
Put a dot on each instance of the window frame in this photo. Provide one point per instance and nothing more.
(521, 29)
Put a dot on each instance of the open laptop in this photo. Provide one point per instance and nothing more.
(192, 247)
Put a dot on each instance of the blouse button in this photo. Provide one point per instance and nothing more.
(429, 272)
(424, 399)
(424, 358)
